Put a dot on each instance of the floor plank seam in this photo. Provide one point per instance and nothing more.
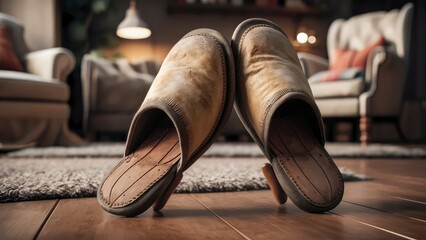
(49, 214)
(372, 208)
(386, 230)
(409, 200)
(222, 219)
(378, 228)
(417, 219)
(389, 179)
(380, 210)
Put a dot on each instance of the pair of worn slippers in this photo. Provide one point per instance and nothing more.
(189, 103)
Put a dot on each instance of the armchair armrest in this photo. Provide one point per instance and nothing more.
(312, 63)
(385, 74)
(53, 63)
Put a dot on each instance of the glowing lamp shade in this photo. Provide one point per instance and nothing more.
(132, 26)
(302, 37)
(134, 32)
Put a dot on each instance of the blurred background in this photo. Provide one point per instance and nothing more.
(90, 27)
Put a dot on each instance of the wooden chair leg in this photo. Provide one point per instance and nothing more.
(365, 126)
(273, 183)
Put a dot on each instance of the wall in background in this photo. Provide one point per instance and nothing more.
(39, 19)
(168, 28)
(95, 21)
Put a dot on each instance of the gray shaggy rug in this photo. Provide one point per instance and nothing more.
(341, 150)
(37, 179)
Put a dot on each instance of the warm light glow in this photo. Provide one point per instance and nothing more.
(132, 26)
(134, 32)
(312, 39)
(302, 37)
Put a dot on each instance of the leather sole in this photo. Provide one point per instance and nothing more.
(303, 167)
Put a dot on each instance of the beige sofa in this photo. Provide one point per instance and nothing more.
(379, 95)
(34, 104)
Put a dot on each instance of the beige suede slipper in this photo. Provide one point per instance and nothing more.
(186, 107)
(274, 101)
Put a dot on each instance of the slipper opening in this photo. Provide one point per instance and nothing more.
(144, 125)
(301, 114)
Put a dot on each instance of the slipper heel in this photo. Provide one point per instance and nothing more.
(273, 183)
(162, 200)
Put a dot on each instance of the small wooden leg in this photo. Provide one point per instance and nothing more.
(273, 183)
(364, 127)
(162, 200)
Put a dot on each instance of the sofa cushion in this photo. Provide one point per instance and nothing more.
(25, 86)
(338, 89)
(118, 88)
(8, 58)
(146, 66)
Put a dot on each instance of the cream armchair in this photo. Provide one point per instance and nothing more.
(34, 104)
(379, 95)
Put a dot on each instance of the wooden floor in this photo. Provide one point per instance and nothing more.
(392, 206)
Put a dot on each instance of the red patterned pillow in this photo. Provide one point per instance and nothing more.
(8, 58)
(352, 58)
(343, 59)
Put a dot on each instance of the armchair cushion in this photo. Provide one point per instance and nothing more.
(8, 58)
(345, 58)
(338, 89)
(21, 86)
